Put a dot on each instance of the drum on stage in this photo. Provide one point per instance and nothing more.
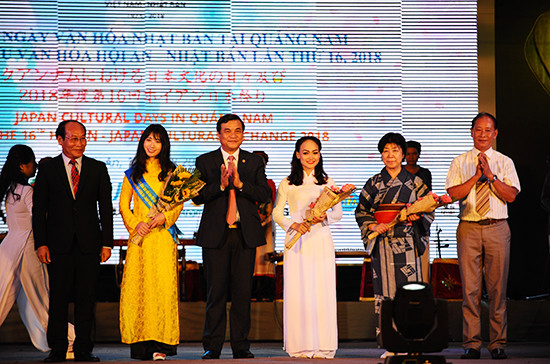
(366, 292)
(446, 281)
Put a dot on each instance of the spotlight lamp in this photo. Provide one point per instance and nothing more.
(416, 323)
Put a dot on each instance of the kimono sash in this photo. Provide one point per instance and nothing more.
(149, 198)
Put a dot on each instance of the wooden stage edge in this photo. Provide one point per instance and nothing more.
(527, 321)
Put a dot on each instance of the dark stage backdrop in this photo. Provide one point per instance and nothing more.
(523, 110)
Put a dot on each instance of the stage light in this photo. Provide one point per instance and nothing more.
(414, 322)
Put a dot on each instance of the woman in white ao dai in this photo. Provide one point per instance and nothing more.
(309, 308)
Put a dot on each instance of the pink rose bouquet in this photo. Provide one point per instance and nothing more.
(329, 197)
(427, 203)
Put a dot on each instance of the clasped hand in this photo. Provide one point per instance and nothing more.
(383, 227)
(144, 228)
(230, 172)
(305, 227)
(483, 167)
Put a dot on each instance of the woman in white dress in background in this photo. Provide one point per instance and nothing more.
(23, 278)
(309, 308)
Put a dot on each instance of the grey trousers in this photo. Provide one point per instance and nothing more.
(483, 249)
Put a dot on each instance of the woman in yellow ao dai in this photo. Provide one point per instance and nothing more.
(149, 319)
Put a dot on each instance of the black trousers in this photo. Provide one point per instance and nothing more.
(228, 268)
(72, 276)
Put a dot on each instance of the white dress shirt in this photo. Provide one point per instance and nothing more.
(463, 168)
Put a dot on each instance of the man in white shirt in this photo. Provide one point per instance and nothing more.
(484, 181)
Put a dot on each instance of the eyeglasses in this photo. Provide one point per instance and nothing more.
(75, 140)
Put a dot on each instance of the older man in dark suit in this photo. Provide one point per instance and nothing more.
(71, 237)
(229, 233)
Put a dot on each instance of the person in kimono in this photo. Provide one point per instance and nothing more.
(396, 251)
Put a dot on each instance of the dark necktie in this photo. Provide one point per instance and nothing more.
(75, 177)
(231, 216)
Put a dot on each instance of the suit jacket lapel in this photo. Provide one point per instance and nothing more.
(61, 171)
(84, 172)
(218, 158)
(241, 164)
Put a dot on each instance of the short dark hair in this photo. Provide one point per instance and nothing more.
(394, 138)
(227, 118)
(481, 114)
(60, 131)
(262, 154)
(414, 144)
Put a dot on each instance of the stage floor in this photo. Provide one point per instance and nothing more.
(271, 352)
(528, 321)
(528, 334)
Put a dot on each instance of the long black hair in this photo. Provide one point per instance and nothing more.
(296, 176)
(11, 174)
(138, 163)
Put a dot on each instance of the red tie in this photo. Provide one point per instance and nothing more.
(75, 177)
(231, 216)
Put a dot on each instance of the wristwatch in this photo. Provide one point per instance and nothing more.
(494, 178)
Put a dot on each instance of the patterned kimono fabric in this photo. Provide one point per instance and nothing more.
(395, 255)
(149, 318)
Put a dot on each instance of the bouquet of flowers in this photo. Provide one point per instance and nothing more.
(182, 185)
(264, 210)
(427, 203)
(329, 197)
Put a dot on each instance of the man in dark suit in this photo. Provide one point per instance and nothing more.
(229, 236)
(71, 237)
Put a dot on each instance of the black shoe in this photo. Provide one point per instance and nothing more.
(85, 357)
(471, 354)
(243, 354)
(498, 354)
(55, 358)
(210, 354)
